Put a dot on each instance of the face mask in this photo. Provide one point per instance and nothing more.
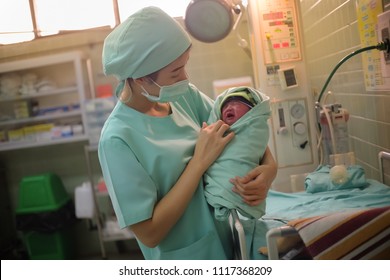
(169, 93)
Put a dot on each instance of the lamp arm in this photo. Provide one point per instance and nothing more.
(240, 9)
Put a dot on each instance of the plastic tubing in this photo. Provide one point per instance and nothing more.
(331, 130)
(383, 46)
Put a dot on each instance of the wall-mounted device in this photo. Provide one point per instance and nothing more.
(291, 131)
(278, 22)
(287, 78)
(280, 72)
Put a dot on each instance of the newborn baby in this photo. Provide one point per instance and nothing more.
(234, 107)
(246, 110)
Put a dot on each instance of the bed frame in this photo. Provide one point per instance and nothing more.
(240, 250)
(283, 231)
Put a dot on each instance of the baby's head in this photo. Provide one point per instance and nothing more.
(234, 105)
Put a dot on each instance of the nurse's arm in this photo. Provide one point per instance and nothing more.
(170, 208)
(269, 160)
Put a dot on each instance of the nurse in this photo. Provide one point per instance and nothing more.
(156, 145)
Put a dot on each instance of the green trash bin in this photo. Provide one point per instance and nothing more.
(41, 193)
(45, 214)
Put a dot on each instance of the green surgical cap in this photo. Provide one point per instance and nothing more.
(144, 43)
(242, 94)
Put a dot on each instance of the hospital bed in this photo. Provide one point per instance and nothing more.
(338, 224)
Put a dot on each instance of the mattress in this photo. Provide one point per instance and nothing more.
(283, 208)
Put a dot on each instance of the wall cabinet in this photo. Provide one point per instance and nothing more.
(42, 101)
(47, 100)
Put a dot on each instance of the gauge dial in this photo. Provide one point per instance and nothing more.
(299, 128)
(297, 111)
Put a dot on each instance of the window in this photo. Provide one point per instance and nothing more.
(53, 16)
(175, 8)
(15, 22)
(56, 16)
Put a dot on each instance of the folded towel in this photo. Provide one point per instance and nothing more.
(320, 180)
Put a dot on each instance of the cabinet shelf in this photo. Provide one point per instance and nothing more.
(31, 120)
(51, 92)
(17, 145)
(52, 116)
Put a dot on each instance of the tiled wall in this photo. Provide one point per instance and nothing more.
(330, 33)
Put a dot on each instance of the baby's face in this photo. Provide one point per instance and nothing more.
(232, 110)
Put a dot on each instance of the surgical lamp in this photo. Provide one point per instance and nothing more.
(212, 20)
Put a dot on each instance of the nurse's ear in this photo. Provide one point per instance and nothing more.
(143, 81)
(127, 92)
(131, 84)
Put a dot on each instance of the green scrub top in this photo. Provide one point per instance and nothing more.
(141, 159)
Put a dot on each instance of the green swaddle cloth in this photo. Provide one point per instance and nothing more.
(240, 156)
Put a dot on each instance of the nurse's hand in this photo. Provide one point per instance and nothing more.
(211, 141)
(253, 187)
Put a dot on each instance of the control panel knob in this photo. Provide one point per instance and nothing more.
(282, 130)
(300, 128)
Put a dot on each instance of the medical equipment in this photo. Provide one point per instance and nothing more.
(287, 78)
(280, 72)
(332, 118)
(333, 139)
